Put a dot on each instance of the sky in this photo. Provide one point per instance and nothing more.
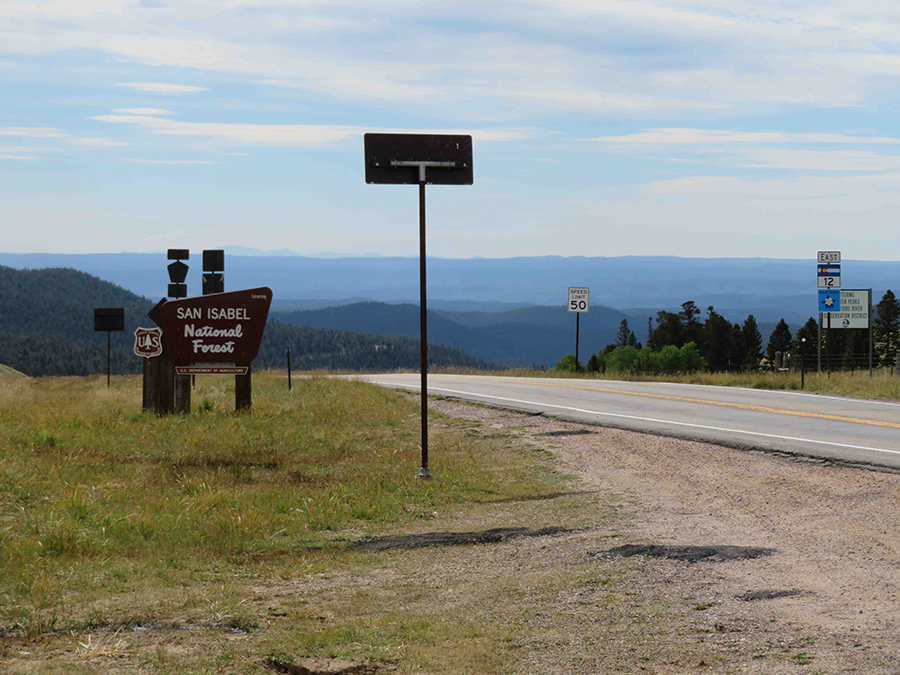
(707, 128)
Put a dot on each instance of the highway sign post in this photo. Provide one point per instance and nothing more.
(829, 303)
(579, 301)
(828, 279)
(419, 159)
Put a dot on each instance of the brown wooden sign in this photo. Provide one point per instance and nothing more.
(220, 328)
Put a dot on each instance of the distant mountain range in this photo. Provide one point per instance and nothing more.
(47, 328)
(770, 289)
(518, 337)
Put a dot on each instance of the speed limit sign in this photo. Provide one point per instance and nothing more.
(579, 299)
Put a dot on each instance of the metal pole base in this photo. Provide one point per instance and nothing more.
(424, 473)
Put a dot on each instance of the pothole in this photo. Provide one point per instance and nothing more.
(751, 596)
(492, 536)
(689, 553)
(320, 667)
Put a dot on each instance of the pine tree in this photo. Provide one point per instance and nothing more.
(887, 328)
(717, 339)
(779, 340)
(738, 355)
(752, 343)
(623, 335)
(693, 329)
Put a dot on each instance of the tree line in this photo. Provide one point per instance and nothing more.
(682, 342)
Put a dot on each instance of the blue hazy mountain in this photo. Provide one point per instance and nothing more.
(520, 337)
(767, 288)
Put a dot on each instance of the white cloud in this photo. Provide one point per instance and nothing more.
(19, 157)
(96, 142)
(820, 160)
(24, 148)
(176, 162)
(32, 132)
(683, 136)
(163, 88)
(694, 184)
(142, 111)
(289, 134)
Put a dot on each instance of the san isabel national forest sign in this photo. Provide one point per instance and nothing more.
(217, 328)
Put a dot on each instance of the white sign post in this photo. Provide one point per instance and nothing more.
(579, 301)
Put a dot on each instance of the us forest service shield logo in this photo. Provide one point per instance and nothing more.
(148, 342)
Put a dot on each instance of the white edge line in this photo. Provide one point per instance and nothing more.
(642, 419)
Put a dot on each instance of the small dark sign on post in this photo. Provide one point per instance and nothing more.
(420, 159)
(213, 271)
(178, 272)
(106, 320)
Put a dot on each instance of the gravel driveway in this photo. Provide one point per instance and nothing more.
(829, 592)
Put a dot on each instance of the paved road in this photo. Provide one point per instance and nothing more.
(849, 430)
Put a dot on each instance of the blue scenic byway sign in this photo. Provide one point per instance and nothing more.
(829, 301)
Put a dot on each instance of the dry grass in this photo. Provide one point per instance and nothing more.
(10, 373)
(857, 384)
(113, 520)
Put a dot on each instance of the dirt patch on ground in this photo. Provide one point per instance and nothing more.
(689, 554)
(492, 536)
(321, 667)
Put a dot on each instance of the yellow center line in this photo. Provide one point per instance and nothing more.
(725, 404)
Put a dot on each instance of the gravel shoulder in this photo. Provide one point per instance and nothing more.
(834, 574)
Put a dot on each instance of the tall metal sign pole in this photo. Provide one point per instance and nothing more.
(417, 159)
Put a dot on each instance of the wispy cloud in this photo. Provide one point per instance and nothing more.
(693, 184)
(32, 132)
(24, 148)
(163, 88)
(681, 136)
(289, 134)
(142, 111)
(820, 160)
(96, 142)
(175, 162)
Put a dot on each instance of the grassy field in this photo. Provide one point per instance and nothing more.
(115, 523)
(7, 373)
(858, 384)
(221, 543)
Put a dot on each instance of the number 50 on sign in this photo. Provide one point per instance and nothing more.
(579, 299)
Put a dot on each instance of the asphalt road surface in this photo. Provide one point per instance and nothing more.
(811, 425)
